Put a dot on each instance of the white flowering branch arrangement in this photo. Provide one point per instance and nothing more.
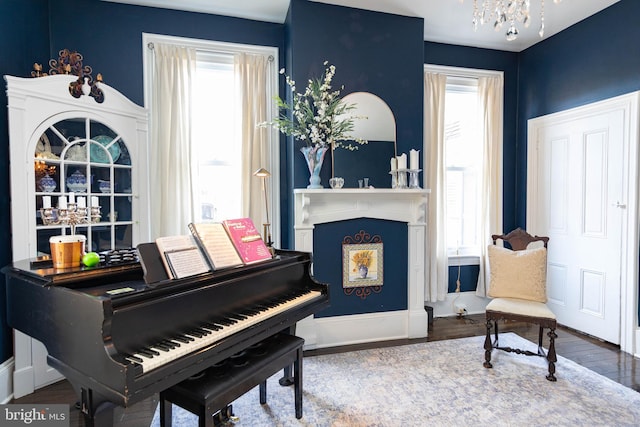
(318, 117)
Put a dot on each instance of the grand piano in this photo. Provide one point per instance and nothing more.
(119, 340)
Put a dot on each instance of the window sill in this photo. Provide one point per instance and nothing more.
(470, 259)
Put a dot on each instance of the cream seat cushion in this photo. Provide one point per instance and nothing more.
(520, 306)
(518, 274)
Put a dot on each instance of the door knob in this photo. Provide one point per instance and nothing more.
(619, 205)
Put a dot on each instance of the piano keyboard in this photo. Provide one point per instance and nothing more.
(208, 333)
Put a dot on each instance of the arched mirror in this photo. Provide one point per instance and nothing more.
(375, 123)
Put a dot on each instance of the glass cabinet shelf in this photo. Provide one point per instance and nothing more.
(83, 160)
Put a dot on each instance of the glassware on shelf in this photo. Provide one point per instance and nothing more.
(104, 186)
(77, 182)
(47, 184)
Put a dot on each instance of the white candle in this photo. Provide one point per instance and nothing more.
(62, 202)
(72, 198)
(402, 161)
(82, 202)
(394, 164)
(46, 202)
(414, 159)
(94, 201)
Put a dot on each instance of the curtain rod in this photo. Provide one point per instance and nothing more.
(151, 47)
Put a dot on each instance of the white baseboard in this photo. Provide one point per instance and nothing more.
(6, 381)
(337, 331)
(472, 303)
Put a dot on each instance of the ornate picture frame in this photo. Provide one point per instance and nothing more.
(362, 265)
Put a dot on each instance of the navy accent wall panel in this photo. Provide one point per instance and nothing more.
(372, 51)
(24, 39)
(327, 265)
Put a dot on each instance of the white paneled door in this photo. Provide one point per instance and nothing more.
(577, 198)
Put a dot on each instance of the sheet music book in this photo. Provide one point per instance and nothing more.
(247, 240)
(215, 243)
(181, 256)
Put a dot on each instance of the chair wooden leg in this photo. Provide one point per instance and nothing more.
(551, 355)
(488, 347)
(540, 348)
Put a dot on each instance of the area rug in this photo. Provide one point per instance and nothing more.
(440, 383)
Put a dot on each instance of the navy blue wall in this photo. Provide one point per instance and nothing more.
(372, 51)
(24, 38)
(327, 265)
(593, 60)
(109, 35)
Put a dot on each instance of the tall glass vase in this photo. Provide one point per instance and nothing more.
(314, 157)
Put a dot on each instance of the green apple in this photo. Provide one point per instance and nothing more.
(90, 259)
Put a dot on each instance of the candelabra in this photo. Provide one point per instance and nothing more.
(399, 178)
(70, 214)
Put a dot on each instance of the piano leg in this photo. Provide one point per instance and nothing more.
(97, 411)
(287, 379)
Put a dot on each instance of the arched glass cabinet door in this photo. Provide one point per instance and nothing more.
(83, 161)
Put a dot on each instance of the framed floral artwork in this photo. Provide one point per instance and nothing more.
(362, 265)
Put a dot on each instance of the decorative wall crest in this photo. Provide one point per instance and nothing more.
(70, 62)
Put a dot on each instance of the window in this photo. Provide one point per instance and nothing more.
(473, 99)
(216, 145)
(464, 158)
(219, 140)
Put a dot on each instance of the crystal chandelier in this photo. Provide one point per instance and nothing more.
(508, 12)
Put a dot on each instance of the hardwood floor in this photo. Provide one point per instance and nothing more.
(601, 357)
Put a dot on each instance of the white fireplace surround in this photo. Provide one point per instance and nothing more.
(328, 205)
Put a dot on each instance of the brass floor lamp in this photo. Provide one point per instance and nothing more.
(266, 227)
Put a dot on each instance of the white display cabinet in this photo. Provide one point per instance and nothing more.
(61, 143)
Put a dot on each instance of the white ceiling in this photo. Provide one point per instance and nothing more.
(445, 21)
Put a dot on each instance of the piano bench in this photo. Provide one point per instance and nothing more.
(216, 387)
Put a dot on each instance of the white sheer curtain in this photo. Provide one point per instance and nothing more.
(490, 93)
(171, 196)
(252, 72)
(435, 89)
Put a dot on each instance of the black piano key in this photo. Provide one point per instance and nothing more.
(223, 321)
(182, 338)
(152, 351)
(148, 352)
(170, 344)
(161, 346)
(133, 358)
(195, 333)
(212, 326)
(239, 316)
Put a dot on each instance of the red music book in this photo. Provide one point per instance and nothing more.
(247, 240)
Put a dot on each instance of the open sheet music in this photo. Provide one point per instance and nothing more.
(215, 244)
(181, 256)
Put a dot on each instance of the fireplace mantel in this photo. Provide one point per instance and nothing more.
(329, 205)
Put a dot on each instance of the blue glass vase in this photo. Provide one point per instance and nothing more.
(314, 157)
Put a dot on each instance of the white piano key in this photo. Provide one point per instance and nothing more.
(166, 356)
